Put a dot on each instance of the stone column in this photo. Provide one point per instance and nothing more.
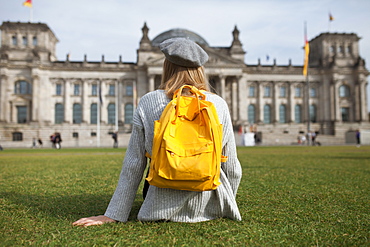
(104, 106)
(67, 102)
(259, 105)
(119, 89)
(242, 101)
(363, 101)
(274, 105)
(85, 101)
(151, 83)
(35, 111)
(335, 103)
(223, 90)
(4, 105)
(355, 114)
(291, 103)
(234, 98)
(332, 102)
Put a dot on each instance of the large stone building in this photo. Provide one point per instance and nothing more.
(41, 95)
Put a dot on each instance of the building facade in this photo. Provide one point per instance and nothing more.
(86, 101)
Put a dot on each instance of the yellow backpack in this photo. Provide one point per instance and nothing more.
(187, 144)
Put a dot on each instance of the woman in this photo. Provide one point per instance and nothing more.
(183, 65)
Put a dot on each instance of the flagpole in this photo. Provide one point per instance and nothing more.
(116, 108)
(28, 3)
(98, 116)
(31, 14)
(307, 83)
(308, 106)
(331, 18)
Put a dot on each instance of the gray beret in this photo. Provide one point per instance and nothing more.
(183, 52)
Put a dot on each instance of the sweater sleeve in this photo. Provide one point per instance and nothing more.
(131, 175)
(231, 167)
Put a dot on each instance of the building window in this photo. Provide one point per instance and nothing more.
(267, 114)
(94, 113)
(59, 113)
(112, 90)
(313, 92)
(129, 113)
(313, 113)
(251, 114)
(349, 49)
(75, 134)
(341, 49)
(282, 114)
(76, 90)
(34, 41)
(252, 91)
(332, 49)
(93, 134)
(94, 89)
(345, 114)
(111, 113)
(129, 90)
(344, 91)
(22, 87)
(58, 89)
(77, 113)
(14, 40)
(267, 91)
(298, 114)
(24, 40)
(17, 136)
(21, 114)
(283, 91)
(298, 92)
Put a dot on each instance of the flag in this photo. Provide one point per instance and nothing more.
(306, 52)
(28, 3)
(267, 58)
(331, 18)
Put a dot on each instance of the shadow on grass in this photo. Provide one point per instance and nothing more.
(69, 207)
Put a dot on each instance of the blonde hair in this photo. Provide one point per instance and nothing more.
(175, 76)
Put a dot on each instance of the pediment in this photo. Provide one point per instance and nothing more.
(155, 61)
(220, 57)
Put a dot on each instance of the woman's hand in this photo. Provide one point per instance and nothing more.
(93, 221)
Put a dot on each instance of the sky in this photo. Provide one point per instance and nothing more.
(273, 28)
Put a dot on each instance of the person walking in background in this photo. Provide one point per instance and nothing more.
(56, 139)
(40, 142)
(303, 139)
(115, 139)
(313, 138)
(183, 65)
(34, 143)
(358, 138)
(52, 140)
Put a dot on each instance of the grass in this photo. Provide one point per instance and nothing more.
(289, 196)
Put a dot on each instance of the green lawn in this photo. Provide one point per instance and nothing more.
(289, 196)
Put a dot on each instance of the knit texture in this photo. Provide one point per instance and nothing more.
(170, 204)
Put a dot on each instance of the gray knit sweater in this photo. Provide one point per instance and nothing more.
(170, 204)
